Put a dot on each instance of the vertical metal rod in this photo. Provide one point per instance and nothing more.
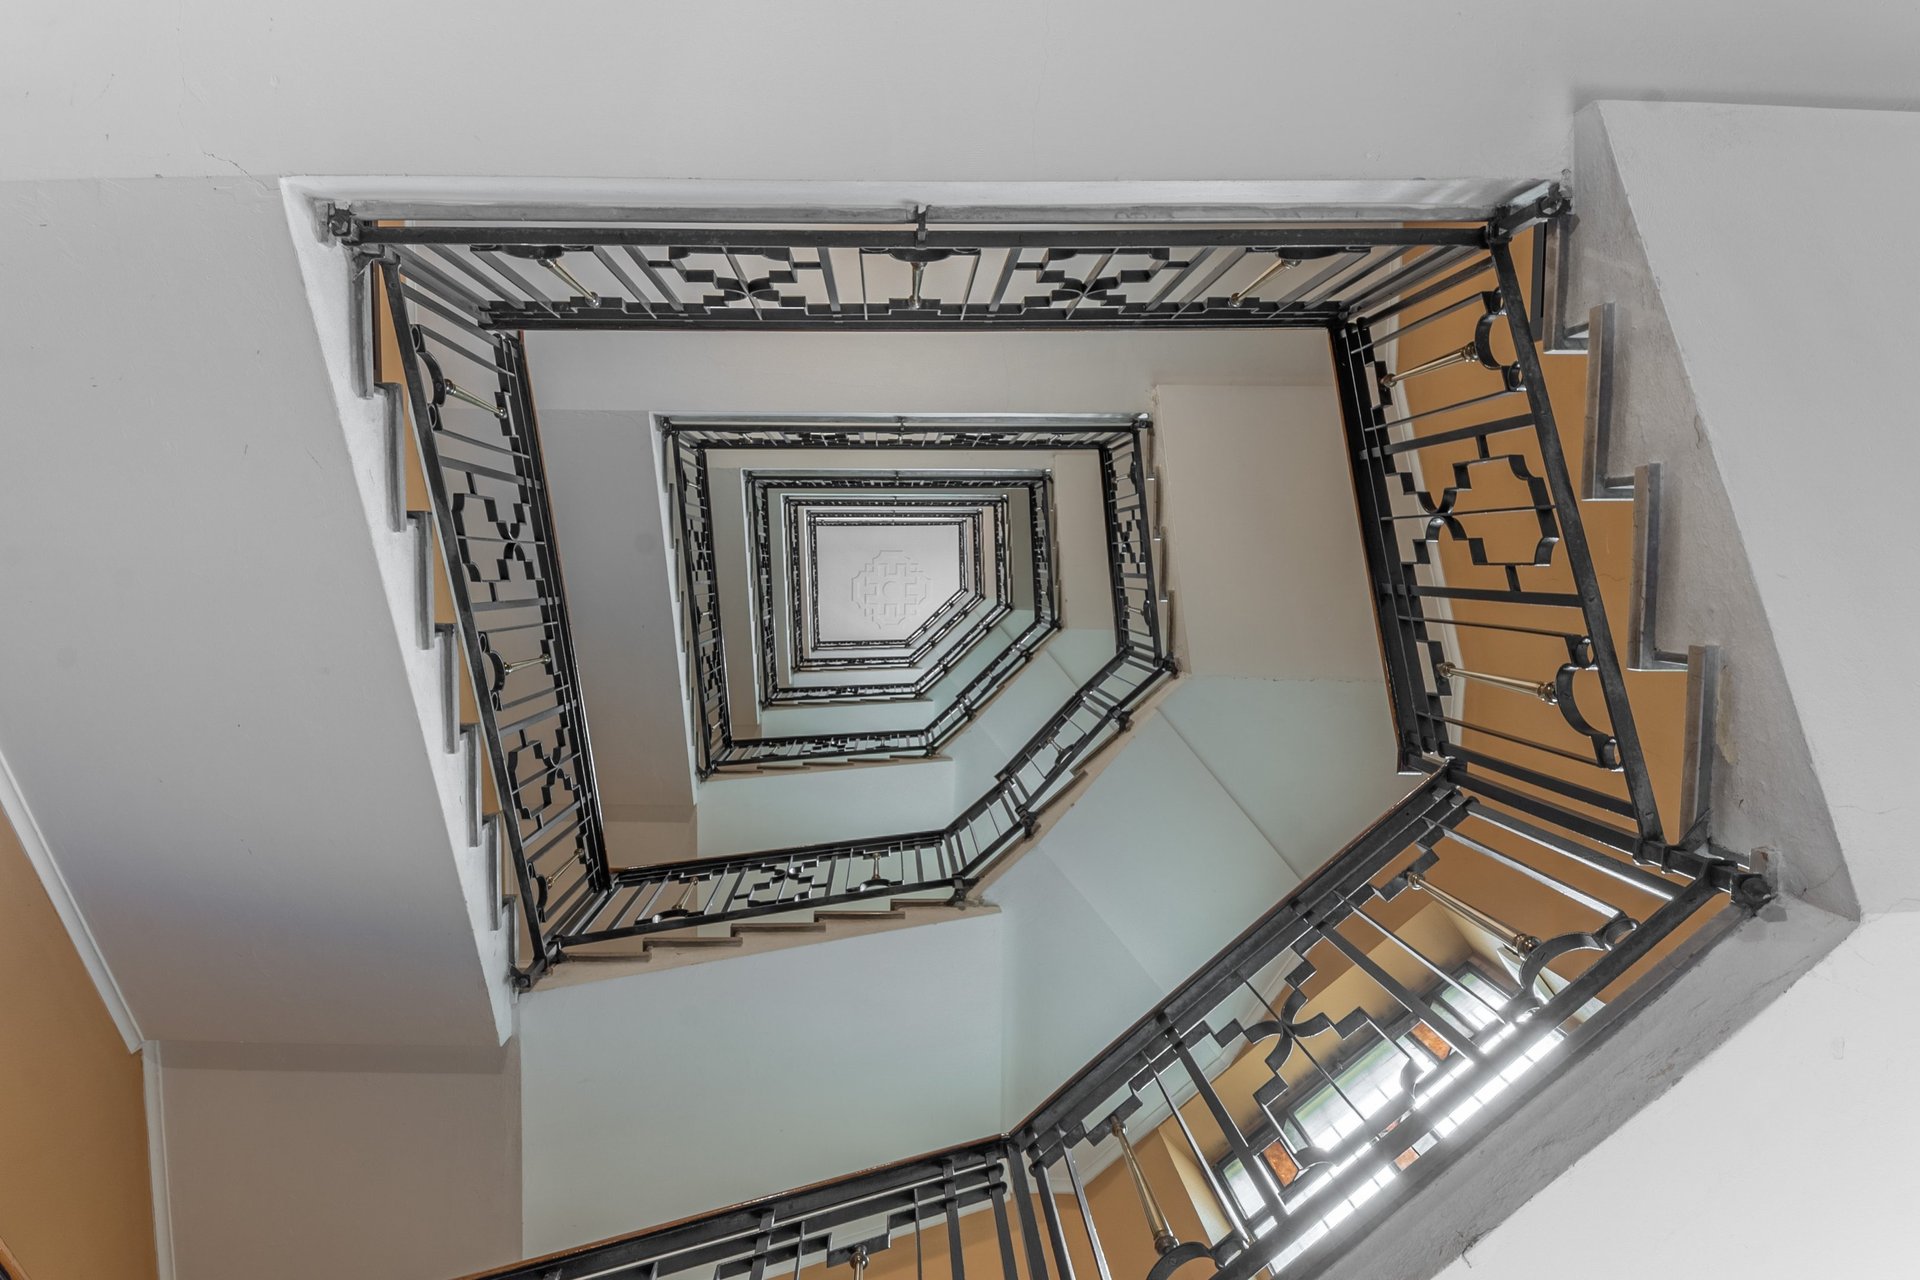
(1252, 1161)
(919, 1247)
(1056, 1232)
(956, 1260)
(1003, 1231)
(1573, 536)
(1458, 1036)
(1228, 1207)
(1157, 1224)
(1086, 1212)
(1023, 1202)
(826, 274)
(761, 1242)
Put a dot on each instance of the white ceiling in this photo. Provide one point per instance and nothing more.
(766, 89)
(208, 706)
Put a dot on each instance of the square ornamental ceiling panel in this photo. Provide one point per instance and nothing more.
(981, 526)
(881, 581)
(877, 581)
(847, 621)
(947, 641)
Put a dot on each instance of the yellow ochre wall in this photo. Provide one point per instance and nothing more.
(75, 1199)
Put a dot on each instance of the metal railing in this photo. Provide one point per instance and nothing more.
(1347, 1047)
(947, 861)
(479, 446)
(1335, 1056)
(1497, 554)
(688, 442)
(913, 650)
(943, 863)
(1487, 581)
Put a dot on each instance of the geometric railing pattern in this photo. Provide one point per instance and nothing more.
(1374, 1024)
(1480, 572)
(690, 444)
(653, 899)
(1326, 1062)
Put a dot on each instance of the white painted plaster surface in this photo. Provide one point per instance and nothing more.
(869, 89)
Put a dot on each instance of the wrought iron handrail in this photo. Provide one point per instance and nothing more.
(479, 447)
(1440, 572)
(916, 646)
(1497, 562)
(488, 488)
(1585, 943)
(946, 861)
(1533, 849)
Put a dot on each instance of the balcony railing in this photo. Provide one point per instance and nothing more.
(473, 419)
(479, 443)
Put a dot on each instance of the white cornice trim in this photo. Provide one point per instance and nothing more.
(157, 1161)
(34, 841)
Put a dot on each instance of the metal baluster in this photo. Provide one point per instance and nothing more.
(956, 1261)
(1003, 1231)
(1086, 1211)
(1056, 1233)
(1229, 1207)
(1252, 1161)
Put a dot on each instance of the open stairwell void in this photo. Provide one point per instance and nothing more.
(1550, 863)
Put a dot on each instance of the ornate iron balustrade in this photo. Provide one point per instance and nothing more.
(915, 649)
(488, 488)
(946, 862)
(1489, 582)
(1444, 573)
(1117, 439)
(1489, 927)
(479, 446)
(1250, 1071)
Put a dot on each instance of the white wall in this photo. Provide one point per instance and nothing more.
(640, 1091)
(1786, 1154)
(1774, 385)
(206, 703)
(649, 1097)
(1257, 509)
(864, 372)
(1219, 805)
(1081, 89)
(603, 471)
(303, 1164)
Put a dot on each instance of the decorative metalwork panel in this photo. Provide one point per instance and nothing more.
(802, 591)
(980, 519)
(473, 419)
(917, 276)
(1374, 1023)
(1476, 547)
